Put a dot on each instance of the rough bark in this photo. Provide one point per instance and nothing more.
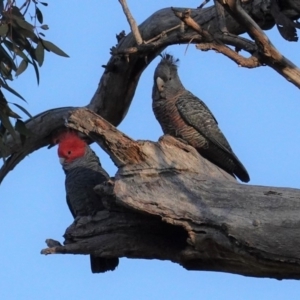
(166, 27)
(167, 202)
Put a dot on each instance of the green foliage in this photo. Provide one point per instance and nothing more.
(21, 44)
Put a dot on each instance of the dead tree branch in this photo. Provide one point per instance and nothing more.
(167, 202)
(269, 54)
(250, 62)
(213, 43)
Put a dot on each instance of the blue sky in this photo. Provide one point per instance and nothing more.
(257, 110)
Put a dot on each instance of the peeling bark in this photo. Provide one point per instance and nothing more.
(167, 202)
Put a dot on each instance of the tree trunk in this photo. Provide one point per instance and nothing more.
(167, 202)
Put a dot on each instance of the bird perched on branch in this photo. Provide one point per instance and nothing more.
(183, 115)
(83, 172)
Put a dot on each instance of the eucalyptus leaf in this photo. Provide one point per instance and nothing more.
(45, 27)
(39, 15)
(25, 111)
(28, 34)
(9, 60)
(37, 73)
(7, 110)
(22, 67)
(53, 48)
(16, 12)
(24, 24)
(39, 53)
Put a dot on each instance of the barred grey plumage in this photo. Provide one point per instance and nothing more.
(82, 175)
(183, 115)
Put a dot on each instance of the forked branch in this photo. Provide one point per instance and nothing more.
(167, 202)
(267, 52)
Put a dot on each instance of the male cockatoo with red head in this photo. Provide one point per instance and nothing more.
(83, 172)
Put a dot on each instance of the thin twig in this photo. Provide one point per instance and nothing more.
(162, 34)
(203, 4)
(187, 45)
(132, 22)
(160, 43)
(251, 62)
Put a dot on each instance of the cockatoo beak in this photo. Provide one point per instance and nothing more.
(160, 84)
(61, 160)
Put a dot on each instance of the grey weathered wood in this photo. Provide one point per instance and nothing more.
(167, 202)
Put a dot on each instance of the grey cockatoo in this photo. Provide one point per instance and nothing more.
(183, 115)
(83, 172)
